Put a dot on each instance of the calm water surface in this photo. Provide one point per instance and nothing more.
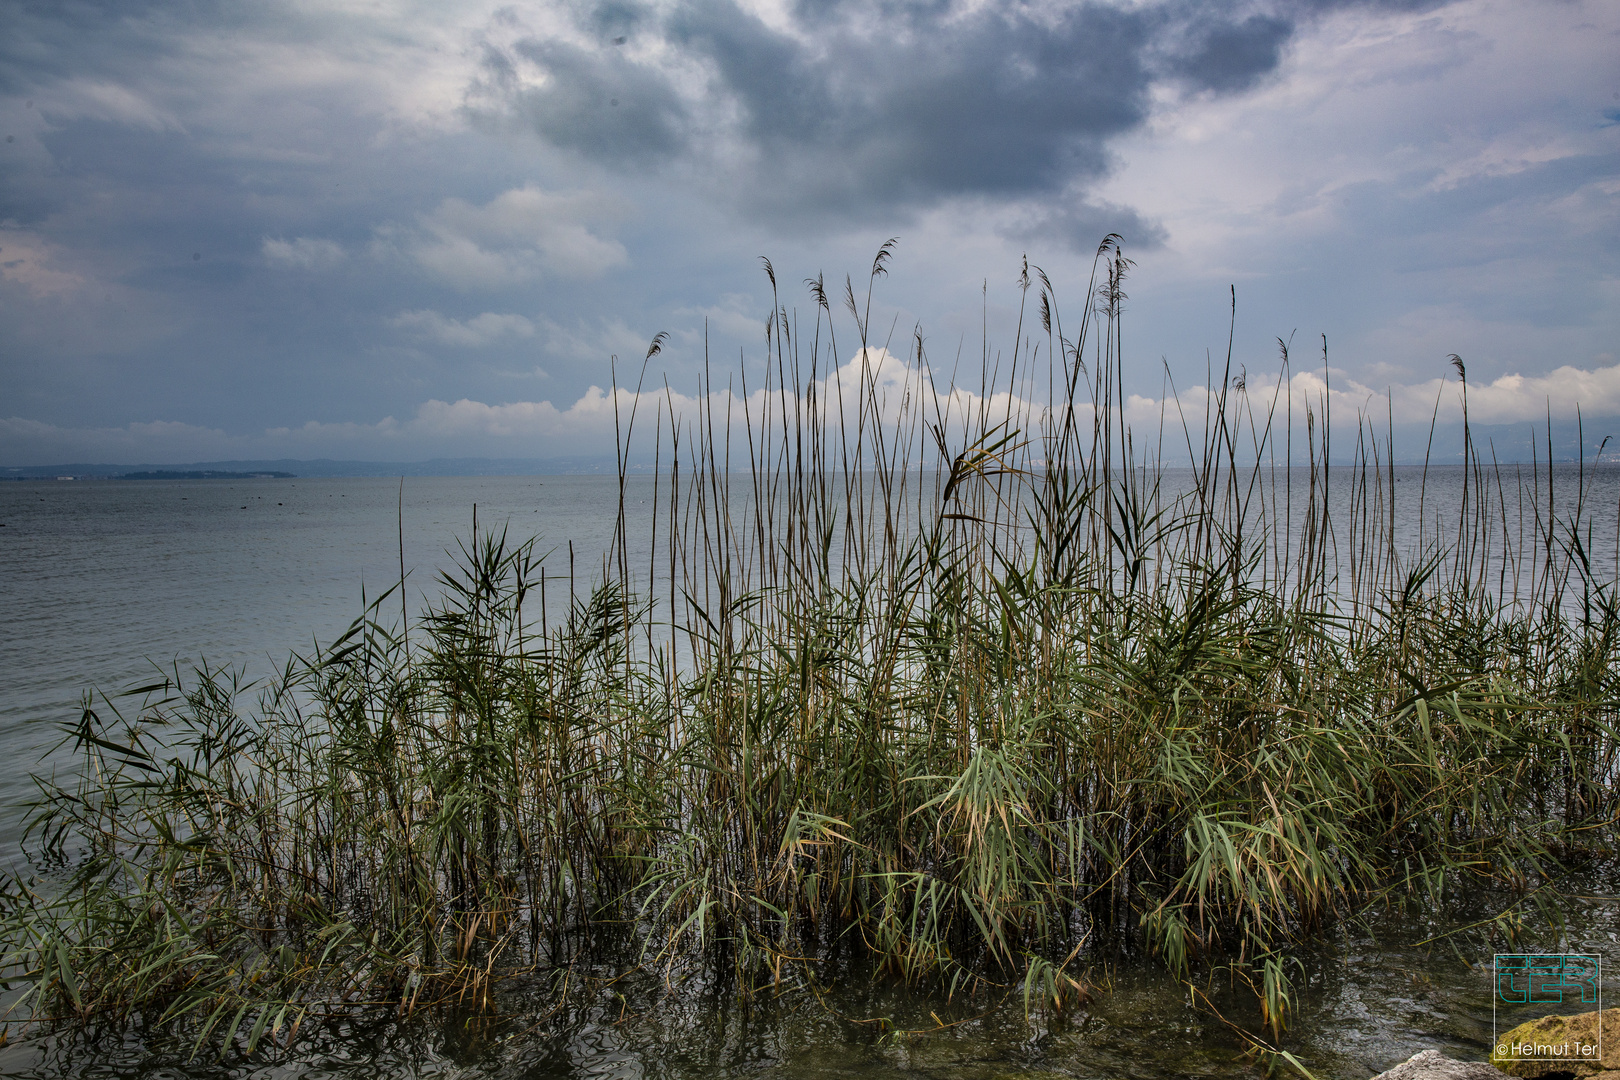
(104, 584)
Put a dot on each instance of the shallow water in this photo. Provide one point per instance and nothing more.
(1372, 998)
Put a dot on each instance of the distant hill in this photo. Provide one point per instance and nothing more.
(203, 474)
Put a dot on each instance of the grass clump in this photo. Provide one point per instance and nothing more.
(961, 685)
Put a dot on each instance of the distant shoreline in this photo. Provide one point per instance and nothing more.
(203, 474)
(160, 474)
(282, 468)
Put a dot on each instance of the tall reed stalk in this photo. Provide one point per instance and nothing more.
(963, 683)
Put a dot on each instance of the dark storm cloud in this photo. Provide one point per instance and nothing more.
(918, 108)
(859, 109)
(875, 107)
(44, 39)
(1227, 57)
(601, 105)
(1080, 224)
(1319, 6)
(615, 19)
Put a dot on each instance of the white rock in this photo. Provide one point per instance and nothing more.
(1433, 1065)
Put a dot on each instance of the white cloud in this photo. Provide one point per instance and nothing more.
(304, 252)
(484, 329)
(515, 237)
(1478, 88)
(1508, 399)
(1409, 184)
(887, 386)
(1505, 156)
(516, 428)
(33, 262)
(1520, 398)
(100, 100)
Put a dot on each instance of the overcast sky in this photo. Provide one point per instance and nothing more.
(403, 229)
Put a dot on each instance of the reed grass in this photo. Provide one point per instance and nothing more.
(969, 688)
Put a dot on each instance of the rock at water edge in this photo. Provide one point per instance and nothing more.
(1433, 1065)
(1564, 1045)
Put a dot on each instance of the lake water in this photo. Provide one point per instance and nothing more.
(107, 583)
(104, 584)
